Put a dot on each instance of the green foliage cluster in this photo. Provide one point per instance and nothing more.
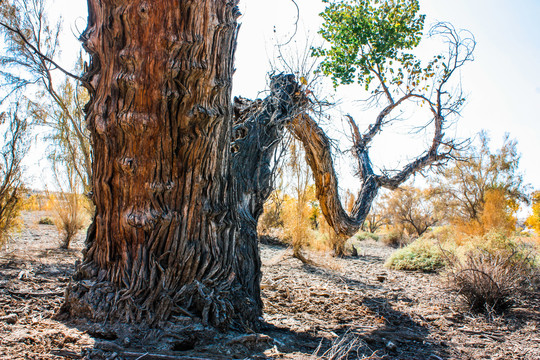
(371, 39)
(366, 235)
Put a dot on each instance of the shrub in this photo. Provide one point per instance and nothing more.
(364, 235)
(489, 279)
(71, 215)
(424, 254)
(393, 238)
(46, 221)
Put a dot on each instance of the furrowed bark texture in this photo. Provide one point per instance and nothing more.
(258, 129)
(176, 205)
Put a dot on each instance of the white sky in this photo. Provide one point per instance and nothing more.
(502, 84)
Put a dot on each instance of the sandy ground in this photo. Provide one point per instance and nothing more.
(352, 305)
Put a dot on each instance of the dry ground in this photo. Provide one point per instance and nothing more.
(352, 303)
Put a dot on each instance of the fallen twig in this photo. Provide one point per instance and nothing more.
(150, 356)
(256, 338)
(32, 294)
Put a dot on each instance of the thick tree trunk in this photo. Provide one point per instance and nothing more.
(177, 201)
(167, 237)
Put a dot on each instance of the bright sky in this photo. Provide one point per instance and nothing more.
(502, 84)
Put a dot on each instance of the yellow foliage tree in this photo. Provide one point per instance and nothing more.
(483, 192)
(533, 221)
(497, 214)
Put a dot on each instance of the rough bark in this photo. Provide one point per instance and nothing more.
(177, 201)
(319, 157)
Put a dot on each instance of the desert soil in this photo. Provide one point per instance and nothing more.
(351, 305)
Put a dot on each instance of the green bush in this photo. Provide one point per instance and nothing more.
(365, 235)
(424, 254)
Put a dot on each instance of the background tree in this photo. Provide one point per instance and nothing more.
(369, 42)
(375, 218)
(533, 221)
(30, 63)
(68, 138)
(411, 210)
(13, 130)
(484, 189)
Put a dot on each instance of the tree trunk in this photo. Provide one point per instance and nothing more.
(177, 202)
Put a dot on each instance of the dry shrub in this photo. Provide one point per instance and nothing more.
(342, 348)
(71, 207)
(393, 238)
(71, 215)
(46, 221)
(491, 276)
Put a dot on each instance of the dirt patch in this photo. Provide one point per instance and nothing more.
(354, 304)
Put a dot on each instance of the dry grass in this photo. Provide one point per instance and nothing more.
(71, 212)
(342, 348)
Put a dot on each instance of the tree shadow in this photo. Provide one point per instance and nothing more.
(338, 279)
(394, 336)
(400, 337)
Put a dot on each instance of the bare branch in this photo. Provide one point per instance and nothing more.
(41, 55)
